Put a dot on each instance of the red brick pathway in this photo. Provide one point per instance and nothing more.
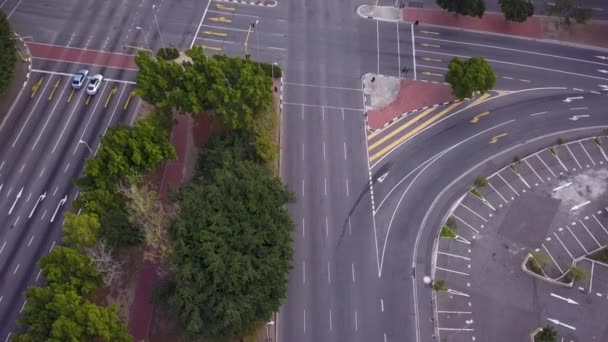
(490, 22)
(82, 56)
(412, 95)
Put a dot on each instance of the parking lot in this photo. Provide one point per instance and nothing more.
(551, 201)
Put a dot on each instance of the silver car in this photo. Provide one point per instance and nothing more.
(94, 84)
(79, 78)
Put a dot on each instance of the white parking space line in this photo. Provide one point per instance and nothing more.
(587, 153)
(551, 256)
(591, 277)
(466, 224)
(457, 329)
(572, 154)
(507, 183)
(453, 255)
(471, 210)
(561, 243)
(531, 168)
(577, 240)
(451, 271)
(598, 222)
(593, 237)
(496, 191)
(545, 164)
(454, 312)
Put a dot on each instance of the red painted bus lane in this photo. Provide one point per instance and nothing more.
(82, 56)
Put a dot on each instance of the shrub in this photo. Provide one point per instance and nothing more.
(167, 54)
(480, 182)
(446, 232)
(439, 286)
(271, 69)
(548, 334)
(8, 56)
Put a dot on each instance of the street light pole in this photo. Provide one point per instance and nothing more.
(145, 37)
(87, 145)
(158, 27)
(257, 41)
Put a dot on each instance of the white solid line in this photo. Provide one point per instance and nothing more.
(328, 274)
(322, 86)
(304, 309)
(552, 259)
(41, 172)
(31, 239)
(66, 168)
(378, 46)
(23, 306)
(13, 11)
(432, 67)
(531, 168)
(466, 224)
(38, 275)
(344, 144)
(303, 272)
(572, 154)
(413, 51)
(471, 210)
(455, 312)
(3, 245)
(398, 51)
(50, 116)
(326, 227)
(347, 194)
(352, 268)
(382, 304)
(199, 28)
(53, 245)
(593, 237)
(591, 278)
(598, 222)
(324, 151)
(31, 112)
(587, 153)
(509, 185)
(577, 240)
(16, 268)
(302, 187)
(451, 271)
(454, 255)
(330, 326)
(545, 164)
(456, 329)
(69, 119)
(561, 243)
(303, 228)
(540, 113)
(350, 230)
(496, 191)
(356, 322)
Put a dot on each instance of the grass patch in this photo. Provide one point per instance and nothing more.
(475, 192)
(601, 255)
(447, 233)
(440, 286)
(552, 150)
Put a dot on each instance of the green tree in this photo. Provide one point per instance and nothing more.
(54, 315)
(474, 8)
(548, 334)
(232, 250)
(69, 269)
(80, 231)
(470, 76)
(8, 56)
(224, 150)
(566, 9)
(517, 10)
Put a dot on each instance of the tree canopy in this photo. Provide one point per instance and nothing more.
(233, 88)
(517, 10)
(58, 314)
(474, 8)
(567, 9)
(232, 248)
(67, 268)
(548, 334)
(470, 76)
(8, 56)
(80, 231)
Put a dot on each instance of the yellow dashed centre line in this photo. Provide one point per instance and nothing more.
(54, 90)
(71, 94)
(36, 86)
(128, 100)
(413, 132)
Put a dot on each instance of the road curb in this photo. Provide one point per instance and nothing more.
(271, 3)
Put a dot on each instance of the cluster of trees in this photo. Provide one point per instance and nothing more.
(8, 56)
(468, 77)
(519, 10)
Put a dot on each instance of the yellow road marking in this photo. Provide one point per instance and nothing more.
(372, 135)
(496, 137)
(128, 100)
(400, 128)
(478, 100)
(112, 92)
(430, 32)
(54, 89)
(211, 33)
(431, 74)
(431, 59)
(71, 94)
(36, 86)
(220, 19)
(220, 6)
(430, 45)
(211, 48)
(88, 99)
(478, 116)
(412, 132)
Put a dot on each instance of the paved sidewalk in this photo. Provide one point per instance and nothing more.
(388, 99)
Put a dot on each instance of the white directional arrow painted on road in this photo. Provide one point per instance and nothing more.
(576, 117)
(16, 199)
(603, 71)
(602, 57)
(382, 178)
(557, 322)
(62, 202)
(41, 198)
(570, 99)
(570, 301)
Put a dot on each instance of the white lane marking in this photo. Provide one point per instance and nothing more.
(330, 325)
(52, 246)
(321, 86)
(456, 329)
(564, 246)
(587, 153)
(31, 239)
(531, 168)
(302, 151)
(465, 223)
(31, 112)
(572, 154)
(21, 169)
(50, 116)
(496, 191)
(579, 108)
(527, 81)
(347, 193)
(451, 271)
(326, 227)
(507, 183)
(17, 220)
(70, 118)
(356, 322)
(378, 47)
(593, 237)
(38, 275)
(55, 192)
(541, 113)
(545, 165)
(304, 309)
(598, 222)
(325, 186)
(591, 277)
(568, 300)
(324, 151)
(303, 228)
(3, 245)
(577, 240)
(471, 210)
(303, 272)
(352, 268)
(323, 113)
(28, 197)
(552, 259)
(2, 165)
(9, 16)
(16, 268)
(198, 30)
(381, 304)
(328, 274)
(578, 206)
(302, 187)
(71, 75)
(514, 50)
(41, 172)
(344, 148)
(350, 230)
(454, 255)
(507, 78)
(323, 106)
(66, 168)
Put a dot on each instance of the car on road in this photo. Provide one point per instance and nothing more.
(94, 84)
(79, 78)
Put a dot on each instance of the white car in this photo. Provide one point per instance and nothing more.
(79, 78)
(94, 84)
